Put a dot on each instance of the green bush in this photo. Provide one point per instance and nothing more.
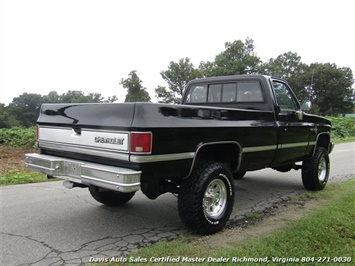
(15, 176)
(18, 136)
(343, 127)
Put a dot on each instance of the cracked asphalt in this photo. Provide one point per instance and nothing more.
(47, 224)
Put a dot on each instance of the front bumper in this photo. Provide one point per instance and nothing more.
(331, 147)
(109, 177)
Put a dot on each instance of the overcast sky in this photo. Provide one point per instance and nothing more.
(89, 45)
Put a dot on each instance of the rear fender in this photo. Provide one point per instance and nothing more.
(228, 152)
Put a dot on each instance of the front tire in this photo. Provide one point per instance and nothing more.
(206, 198)
(315, 171)
(109, 197)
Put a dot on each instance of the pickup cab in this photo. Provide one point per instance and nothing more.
(225, 127)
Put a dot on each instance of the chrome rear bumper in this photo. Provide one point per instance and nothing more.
(109, 177)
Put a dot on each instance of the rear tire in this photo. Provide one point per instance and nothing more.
(109, 197)
(315, 171)
(206, 198)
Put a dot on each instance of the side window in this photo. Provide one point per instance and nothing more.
(284, 97)
(249, 91)
(229, 92)
(197, 94)
(214, 93)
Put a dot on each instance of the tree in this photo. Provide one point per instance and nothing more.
(111, 99)
(135, 90)
(25, 108)
(330, 89)
(4, 116)
(73, 96)
(7, 120)
(165, 96)
(52, 97)
(289, 67)
(237, 58)
(177, 76)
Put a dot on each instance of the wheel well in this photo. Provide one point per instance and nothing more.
(228, 153)
(323, 140)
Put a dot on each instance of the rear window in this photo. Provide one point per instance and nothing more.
(249, 92)
(239, 92)
(197, 94)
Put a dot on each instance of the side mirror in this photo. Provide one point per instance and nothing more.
(299, 115)
(306, 106)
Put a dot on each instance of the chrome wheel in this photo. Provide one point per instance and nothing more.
(322, 170)
(215, 199)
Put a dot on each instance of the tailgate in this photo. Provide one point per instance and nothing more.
(91, 129)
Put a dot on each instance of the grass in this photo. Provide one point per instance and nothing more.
(15, 176)
(325, 235)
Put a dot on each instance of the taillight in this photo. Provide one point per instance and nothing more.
(37, 132)
(141, 142)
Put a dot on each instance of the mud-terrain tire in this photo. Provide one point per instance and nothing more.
(206, 198)
(110, 198)
(315, 171)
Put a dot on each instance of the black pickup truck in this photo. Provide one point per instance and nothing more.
(224, 127)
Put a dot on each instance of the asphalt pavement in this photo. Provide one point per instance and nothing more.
(48, 224)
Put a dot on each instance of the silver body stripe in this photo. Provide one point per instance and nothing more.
(259, 148)
(164, 157)
(274, 147)
(293, 145)
(190, 155)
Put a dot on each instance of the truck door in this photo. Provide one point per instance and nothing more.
(293, 132)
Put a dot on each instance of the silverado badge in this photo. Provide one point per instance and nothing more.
(117, 141)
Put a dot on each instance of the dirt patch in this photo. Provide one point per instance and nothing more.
(277, 217)
(13, 158)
